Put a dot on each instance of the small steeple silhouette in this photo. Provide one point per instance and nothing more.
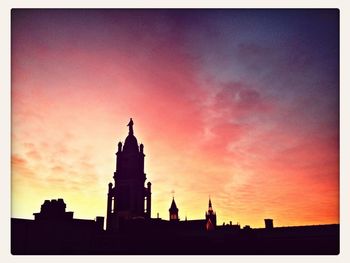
(210, 207)
(173, 211)
(210, 217)
(173, 206)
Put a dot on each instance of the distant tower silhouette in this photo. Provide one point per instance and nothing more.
(173, 211)
(210, 217)
(129, 198)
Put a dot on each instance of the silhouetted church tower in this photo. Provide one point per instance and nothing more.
(173, 211)
(129, 198)
(210, 217)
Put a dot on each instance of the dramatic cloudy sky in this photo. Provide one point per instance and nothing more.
(241, 105)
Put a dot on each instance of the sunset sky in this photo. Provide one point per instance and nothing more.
(241, 105)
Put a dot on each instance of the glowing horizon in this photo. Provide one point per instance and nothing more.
(241, 105)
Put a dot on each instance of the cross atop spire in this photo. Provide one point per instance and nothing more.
(130, 124)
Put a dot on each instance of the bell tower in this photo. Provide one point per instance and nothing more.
(128, 198)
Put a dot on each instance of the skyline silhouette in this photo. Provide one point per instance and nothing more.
(129, 228)
(241, 105)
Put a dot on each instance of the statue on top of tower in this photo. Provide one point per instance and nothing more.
(130, 124)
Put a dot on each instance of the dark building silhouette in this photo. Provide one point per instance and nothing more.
(54, 210)
(173, 211)
(129, 198)
(130, 230)
(54, 231)
(268, 223)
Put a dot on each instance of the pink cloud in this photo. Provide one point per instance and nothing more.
(16, 160)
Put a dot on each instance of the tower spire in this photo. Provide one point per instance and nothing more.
(173, 211)
(210, 207)
(210, 217)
